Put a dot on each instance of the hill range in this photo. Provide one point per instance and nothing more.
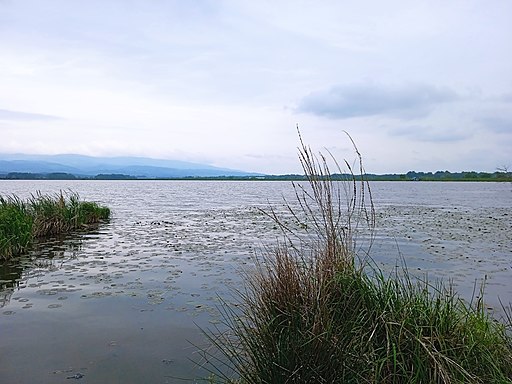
(88, 166)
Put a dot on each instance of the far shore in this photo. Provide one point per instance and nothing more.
(409, 176)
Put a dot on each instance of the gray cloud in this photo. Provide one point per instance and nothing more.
(506, 97)
(6, 114)
(345, 101)
(496, 124)
(431, 134)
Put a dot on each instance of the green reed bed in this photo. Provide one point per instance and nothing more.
(318, 312)
(15, 226)
(43, 215)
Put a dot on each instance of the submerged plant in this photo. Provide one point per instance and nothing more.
(317, 310)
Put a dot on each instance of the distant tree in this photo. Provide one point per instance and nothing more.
(60, 176)
(503, 172)
(113, 176)
(24, 176)
(470, 175)
(504, 169)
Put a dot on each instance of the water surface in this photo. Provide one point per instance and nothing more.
(123, 303)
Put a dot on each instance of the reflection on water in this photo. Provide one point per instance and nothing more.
(121, 304)
(44, 256)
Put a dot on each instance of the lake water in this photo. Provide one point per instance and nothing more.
(124, 303)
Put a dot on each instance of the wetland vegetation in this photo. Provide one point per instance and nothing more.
(317, 309)
(22, 221)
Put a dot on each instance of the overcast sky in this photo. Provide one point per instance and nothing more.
(419, 85)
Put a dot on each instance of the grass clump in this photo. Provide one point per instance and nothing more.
(43, 215)
(317, 312)
(15, 226)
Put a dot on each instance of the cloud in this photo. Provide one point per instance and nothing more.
(6, 114)
(210, 79)
(496, 124)
(345, 101)
(431, 134)
(506, 97)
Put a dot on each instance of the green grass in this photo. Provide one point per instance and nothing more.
(319, 313)
(41, 216)
(15, 226)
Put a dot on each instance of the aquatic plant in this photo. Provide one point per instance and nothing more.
(15, 226)
(63, 213)
(41, 216)
(317, 309)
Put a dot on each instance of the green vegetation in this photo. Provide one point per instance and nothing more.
(498, 176)
(41, 216)
(314, 311)
(39, 176)
(15, 226)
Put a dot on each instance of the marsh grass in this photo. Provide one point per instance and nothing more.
(43, 215)
(15, 226)
(323, 313)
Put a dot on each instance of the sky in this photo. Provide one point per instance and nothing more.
(418, 85)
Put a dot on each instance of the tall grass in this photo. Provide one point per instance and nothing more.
(41, 216)
(323, 314)
(15, 226)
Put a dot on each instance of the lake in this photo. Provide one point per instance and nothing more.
(125, 303)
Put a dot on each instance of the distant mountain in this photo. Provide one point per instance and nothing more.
(80, 165)
(7, 166)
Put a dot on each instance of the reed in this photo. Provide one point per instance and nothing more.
(56, 214)
(42, 216)
(15, 226)
(320, 312)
